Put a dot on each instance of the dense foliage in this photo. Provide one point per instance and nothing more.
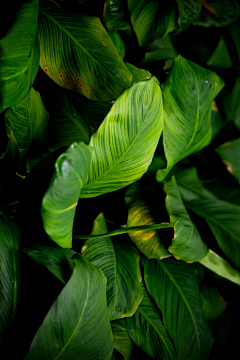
(119, 179)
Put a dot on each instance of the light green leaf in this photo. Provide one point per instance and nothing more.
(229, 152)
(223, 219)
(56, 259)
(119, 261)
(148, 332)
(188, 93)
(92, 66)
(152, 19)
(29, 122)
(122, 341)
(124, 144)
(77, 325)
(118, 43)
(189, 10)
(60, 200)
(10, 274)
(138, 74)
(187, 244)
(19, 59)
(213, 303)
(173, 286)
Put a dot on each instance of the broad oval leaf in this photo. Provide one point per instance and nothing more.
(77, 325)
(10, 274)
(124, 144)
(223, 219)
(56, 259)
(188, 93)
(119, 261)
(92, 67)
(148, 332)
(60, 200)
(152, 19)
(122, 341)
(29, 122)
(187, 244)
(229, 152)
(173, 286)
(19, 60)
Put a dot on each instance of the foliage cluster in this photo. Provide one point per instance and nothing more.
(119, 179)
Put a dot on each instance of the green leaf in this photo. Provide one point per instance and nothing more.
(10, 274)
(187, 244)
(77, 325)
(188, 12)
(138, 74)
(173, 286)
(231, 104)
(119, 261)
(223, 219)
(118, 43)
(151, 19)
(213, 303)
(149, 242)
(115, 15)
(220, 58)
(122, 341)
(188, 93)
(124, 144)
(60, 200)
(56, 259)
(216, 13)
(92, 67)
(29, 122)
(148, 332)
(165, 51)
(229, 153)
(19, 60)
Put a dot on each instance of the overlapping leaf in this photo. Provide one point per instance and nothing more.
(151, 19)
(188, 93)
(188, 12)
(60, 201)
(122, 341)
(187, 244)
(10, 274)
(148, 332)
(173, 286)
(124, 144)
(19, 59)
(77, 325)
(115, 15)
(119, 261)
(77, 53)
(230, 153)
(213, 303)
(118, 43)
(29, 122)
(138, 74)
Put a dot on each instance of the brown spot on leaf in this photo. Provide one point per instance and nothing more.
(61, 76)
(45, 70)
(103, 43)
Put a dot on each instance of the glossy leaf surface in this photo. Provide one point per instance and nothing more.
(173, 286)
(92, 67)
(124, 144)
(60, 200)
(119, 261)
(188, 93)
(18, 68)
(187, 244)
(77, 325)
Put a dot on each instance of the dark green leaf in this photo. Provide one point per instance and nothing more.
(19, 60)
(119, 261)
(165, 51)
(92, 67)
(122, 341)
(187, 244)
(148, 332)
(60, 201)
(10, 274)
(188, 93)
(56, 259)
(133, 126)
(213, 303)
(230, 153)
(115, 15)
(77, 325)
(232, 105)
(173, 286)
(189, 11)
(118, 43)
(152, 19)
(220, 58)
